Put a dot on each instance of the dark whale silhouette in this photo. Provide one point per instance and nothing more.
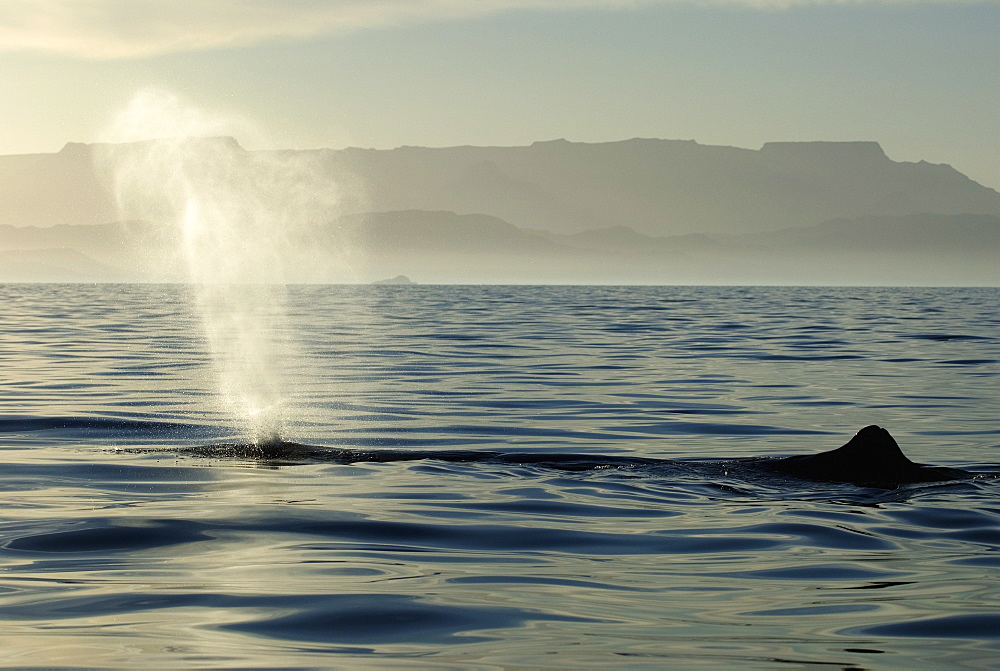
(870, 459)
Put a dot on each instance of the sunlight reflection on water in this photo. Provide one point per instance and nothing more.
(154, 559)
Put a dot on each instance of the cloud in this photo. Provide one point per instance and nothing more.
(115, 29)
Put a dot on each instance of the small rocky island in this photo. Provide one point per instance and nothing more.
(398, 279)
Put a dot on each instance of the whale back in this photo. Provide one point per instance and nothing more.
(872, 458)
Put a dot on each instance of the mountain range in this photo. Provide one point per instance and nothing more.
(636, 211)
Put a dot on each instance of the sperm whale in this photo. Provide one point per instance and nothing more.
(872, 458)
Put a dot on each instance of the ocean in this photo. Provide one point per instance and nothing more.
(128, 541)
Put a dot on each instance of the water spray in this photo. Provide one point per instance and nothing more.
(239, 224)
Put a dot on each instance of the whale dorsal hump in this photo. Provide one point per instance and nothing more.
(871, 457)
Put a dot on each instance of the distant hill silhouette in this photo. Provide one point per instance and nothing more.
(663, 187)
(636, 211)
(50, 189)
(422, 232)
(442, 246)
(53, 265)
(961, 234)
(656, 187)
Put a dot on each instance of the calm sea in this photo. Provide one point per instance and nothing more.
(121, 546)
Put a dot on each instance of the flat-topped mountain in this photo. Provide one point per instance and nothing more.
(636, 211)
(655, 187)
(664, 187)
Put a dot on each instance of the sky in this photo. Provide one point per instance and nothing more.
(919, 76)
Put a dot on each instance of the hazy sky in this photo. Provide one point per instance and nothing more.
(921, 77)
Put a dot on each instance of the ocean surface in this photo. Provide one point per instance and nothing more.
(129, 540)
